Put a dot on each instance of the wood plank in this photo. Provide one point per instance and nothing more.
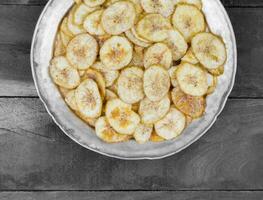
(23, 2)
(235, 3)
(242, 3)
(17, 24)
(36, 155)
(16, 30)
(15, 73)
(249, 40)
(131, 195)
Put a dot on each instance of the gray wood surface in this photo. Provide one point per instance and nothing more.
(16, 30)
(242, 3)
(38, 162)
(131, 195)
(36, 155)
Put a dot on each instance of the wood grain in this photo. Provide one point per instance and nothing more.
(16, 30)
(36, 155)
(236, 3)
(131, 195)
(242, 3)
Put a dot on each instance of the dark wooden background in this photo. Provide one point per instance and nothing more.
(37, 161)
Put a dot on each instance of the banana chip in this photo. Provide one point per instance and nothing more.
(156, 83)
(64, 38)
(163, 7)
(110, 76)
(190, 105)
(88, 99)
(153, 27)
(82, 73)
(92, 23)
(138, 57)
(110, 95)
(189, 120)
(171, 126)
(82, 10)
(106, 133)
(71, 100)
(93, 3)
(90, 121)
(177, 44)
(135, 40)
(130, 85)
(189, 20)
(212, 83)
(192, 79)
(218, 71)
(63, 91)
(116, 53)
(156, 138)
(158, 54)
(136, 3)
(153, 111)
(197, 3)
(121, 117)
(190, 57)
(135, 107)
(136, 35)
(78, 1)
(114, 87)
(101, 39)
(172, 73)
(98, 78)
(59, 48)
(63, 74)
(118, 17)
(138, 6)
(72, 27)
(82, 51)
(64, 27)
(143, 133)
(209, 50)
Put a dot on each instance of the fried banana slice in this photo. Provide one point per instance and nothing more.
(172, 125)
(156, 83)
(153, 111)
(116, 53)
(92, 23)
(189, 105)
(106, 133)
(82, 51)
(118, 17)
(210, 50)
(143, 133)
(189, 20)
(163, 7)
(130, 85)
(158, 54)
(153, 27)
(88, 99)
(192, 79)
(121, 117)
(63, 74)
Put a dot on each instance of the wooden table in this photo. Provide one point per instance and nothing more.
(37, 161)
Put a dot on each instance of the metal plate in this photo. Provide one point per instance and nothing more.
(77, 130)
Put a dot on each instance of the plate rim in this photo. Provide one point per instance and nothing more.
(224, 99)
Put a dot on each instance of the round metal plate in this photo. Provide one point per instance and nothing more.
(77, 130)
